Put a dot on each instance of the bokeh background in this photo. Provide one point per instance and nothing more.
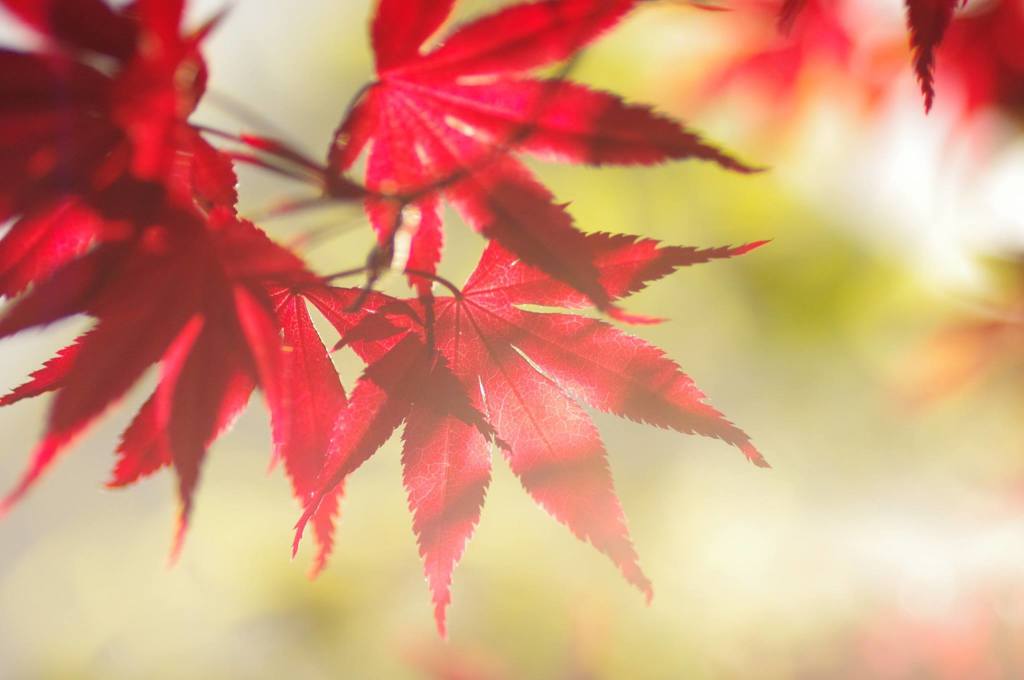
(886, 542)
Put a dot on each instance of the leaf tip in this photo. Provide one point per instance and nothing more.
(634, 319)
(635, 575)
(752, 169)
(319, 563)
(11, 499)
(315, 569)
(748, 247)
(179, 538)
(300, 527)
(211, 24)
(41, 459)
(275, 458)
(753, 455)
(441, 619)
(5, 507)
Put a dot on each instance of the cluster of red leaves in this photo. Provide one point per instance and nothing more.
(121, 211)
(127, 215)
(977, 49)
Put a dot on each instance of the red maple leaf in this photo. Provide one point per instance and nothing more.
(928, 21)
(443, 121)
(303, 391)
(109, 94)
(208, 296)
(529, 374)
(92, 116)
(56, 232)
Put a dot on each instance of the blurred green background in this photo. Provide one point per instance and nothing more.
(887, 541)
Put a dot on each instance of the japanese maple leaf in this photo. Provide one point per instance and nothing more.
(445, 455)
(304, 394)
(109, 94)
(216, 303)
(54, 233)
(102, 105)
(444, 122)
(928, 21)
(529, 373)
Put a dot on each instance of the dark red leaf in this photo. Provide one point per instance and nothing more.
(928, 21)
(80, 24)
